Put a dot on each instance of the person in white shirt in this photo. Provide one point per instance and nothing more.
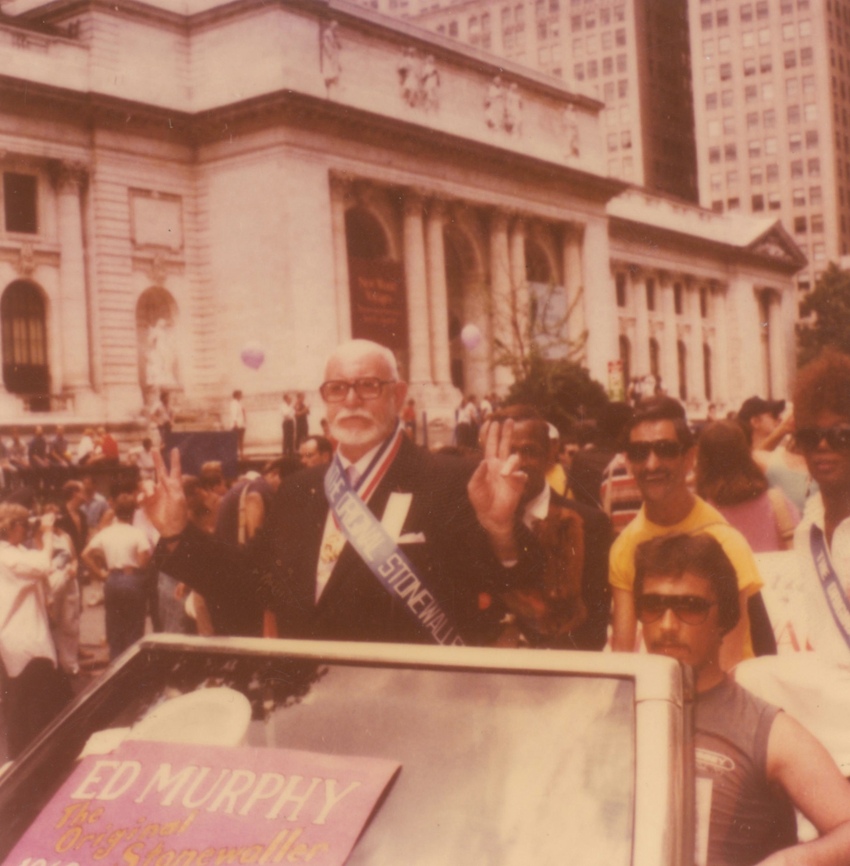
(85, 448)
(238, 421)
(119, 555)
(34, 690)
(287, 425)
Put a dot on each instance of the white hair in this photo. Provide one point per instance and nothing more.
(361, 348)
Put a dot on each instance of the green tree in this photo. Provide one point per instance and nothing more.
(829, 306)
(560, 389)
(534, 319)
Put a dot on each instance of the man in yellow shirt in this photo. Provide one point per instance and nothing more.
(660, 452)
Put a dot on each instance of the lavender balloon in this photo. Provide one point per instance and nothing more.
(252, 356)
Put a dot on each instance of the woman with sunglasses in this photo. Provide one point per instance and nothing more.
(822, 413)
(815, 686)
(729, 478)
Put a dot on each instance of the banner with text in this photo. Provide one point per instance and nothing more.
(378, 301)
(171, 804)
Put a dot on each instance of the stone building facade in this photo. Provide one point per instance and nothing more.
(287, 175)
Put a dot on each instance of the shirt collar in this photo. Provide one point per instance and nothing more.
(537, 508)
(362, 464)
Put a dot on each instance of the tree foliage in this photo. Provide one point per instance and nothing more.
(829, 306)
(560, 389)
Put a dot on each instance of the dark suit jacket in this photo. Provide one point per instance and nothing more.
(454, 561)
(569, 607)
(592, 634)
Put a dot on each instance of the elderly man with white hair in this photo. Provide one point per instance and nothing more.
(388, 543)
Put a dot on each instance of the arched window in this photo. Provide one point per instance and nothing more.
(156, 317)
(682, 357)
(24, 334)
(364, 235)
(376, 284)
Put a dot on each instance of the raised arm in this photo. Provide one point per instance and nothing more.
(166, 506)
(495, 490)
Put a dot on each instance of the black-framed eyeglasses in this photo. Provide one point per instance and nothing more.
(689, 609)
(836, 437)
(664, 449)
(369, 388)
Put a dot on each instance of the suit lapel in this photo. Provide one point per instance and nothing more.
(400, 477)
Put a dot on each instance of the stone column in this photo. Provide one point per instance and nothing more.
(776, 347)
(669, 353)
(600, 299)
(641, 353)
(696, 376)
(574, 289)
(73, 310)
(720, 352)
(521, 298)
(342, 289)
(418, 318)
(500, 296)
(438, 296)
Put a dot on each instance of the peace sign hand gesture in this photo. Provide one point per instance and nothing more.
(496, 488)
(166, 506)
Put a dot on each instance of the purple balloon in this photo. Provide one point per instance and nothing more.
(253, 357)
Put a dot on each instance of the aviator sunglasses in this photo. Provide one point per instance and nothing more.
(664, 449)
(689, 609)
(837, 437)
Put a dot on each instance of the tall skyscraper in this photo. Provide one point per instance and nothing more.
(631, 54)
(771, 93)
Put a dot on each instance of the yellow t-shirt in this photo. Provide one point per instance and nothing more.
(702, 518)
(556, 478)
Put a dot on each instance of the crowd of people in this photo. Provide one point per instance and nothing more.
(636, 534)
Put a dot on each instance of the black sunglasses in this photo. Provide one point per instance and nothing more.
(837, 437)
(336, 390)
(664, 449)
(689, 609)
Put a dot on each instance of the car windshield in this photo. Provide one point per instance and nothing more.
(497, 767)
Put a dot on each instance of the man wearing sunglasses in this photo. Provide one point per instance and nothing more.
(660, 453)
(454, 541)
(753, 761)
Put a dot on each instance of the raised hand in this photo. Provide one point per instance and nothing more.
(166, 506)
(496, 487)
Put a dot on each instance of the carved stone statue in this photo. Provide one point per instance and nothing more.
(571, 132)
(513, 110)
(429, 83)
(407, 78)
(330, 51)
(160, 357)
(494, 104)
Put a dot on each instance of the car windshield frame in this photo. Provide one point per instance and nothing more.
(662, 692)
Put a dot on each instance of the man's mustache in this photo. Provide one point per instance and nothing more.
(667, 644)
(353, 413)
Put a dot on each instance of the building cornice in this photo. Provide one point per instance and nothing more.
(355, 16)
(295, 109)
(647, 235)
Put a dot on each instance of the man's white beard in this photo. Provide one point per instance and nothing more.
(358, 436)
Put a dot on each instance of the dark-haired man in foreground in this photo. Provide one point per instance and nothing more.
(753, 761)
